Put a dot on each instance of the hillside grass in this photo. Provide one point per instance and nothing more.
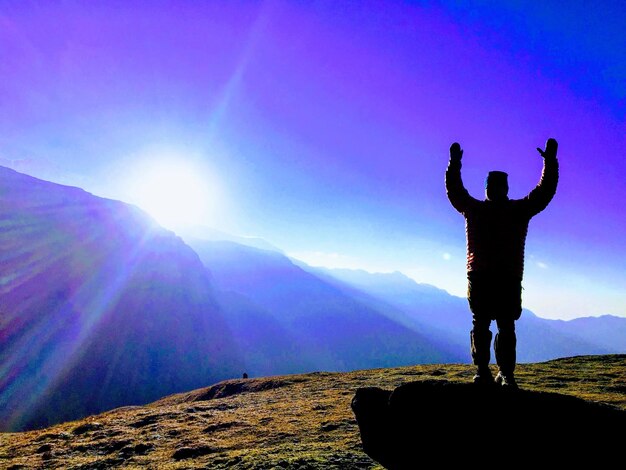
(295, 421)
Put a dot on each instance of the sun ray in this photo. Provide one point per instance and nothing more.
(38, 348)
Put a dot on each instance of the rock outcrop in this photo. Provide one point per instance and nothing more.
(461, 423)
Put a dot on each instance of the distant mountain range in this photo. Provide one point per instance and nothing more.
(284, 287)
(287, 319)
(100, 307)
(539, 339)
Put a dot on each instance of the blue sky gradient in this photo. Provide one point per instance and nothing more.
(324, 127)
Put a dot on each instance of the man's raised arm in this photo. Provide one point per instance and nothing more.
(457, 194)
(540, 197)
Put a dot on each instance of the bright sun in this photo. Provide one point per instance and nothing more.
(174, 193)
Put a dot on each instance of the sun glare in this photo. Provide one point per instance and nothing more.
(175, 193)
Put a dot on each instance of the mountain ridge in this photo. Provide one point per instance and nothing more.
(91, 298)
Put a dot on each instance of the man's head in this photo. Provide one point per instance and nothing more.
(497, 186)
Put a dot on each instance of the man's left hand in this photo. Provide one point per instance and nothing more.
(551, 148)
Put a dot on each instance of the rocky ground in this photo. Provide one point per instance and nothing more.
(293, 422)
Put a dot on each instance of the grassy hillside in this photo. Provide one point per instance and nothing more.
(294, 421)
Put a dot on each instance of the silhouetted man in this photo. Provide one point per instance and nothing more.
(496, 231)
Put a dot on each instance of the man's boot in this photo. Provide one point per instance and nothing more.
(481, 354)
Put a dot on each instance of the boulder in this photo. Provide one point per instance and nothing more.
(439, 422)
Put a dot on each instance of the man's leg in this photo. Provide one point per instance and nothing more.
(479, 298)
(480, 340)
(505, 346)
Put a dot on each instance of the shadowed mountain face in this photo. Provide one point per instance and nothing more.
(99, 307)
(288, 320)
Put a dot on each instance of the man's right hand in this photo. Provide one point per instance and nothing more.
(455, 151)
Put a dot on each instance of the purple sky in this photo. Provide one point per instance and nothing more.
(326, 125)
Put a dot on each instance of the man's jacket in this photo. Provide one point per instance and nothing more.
(496, 230)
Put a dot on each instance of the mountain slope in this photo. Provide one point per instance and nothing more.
(99, 307)
(607, 331)
(291, 422)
